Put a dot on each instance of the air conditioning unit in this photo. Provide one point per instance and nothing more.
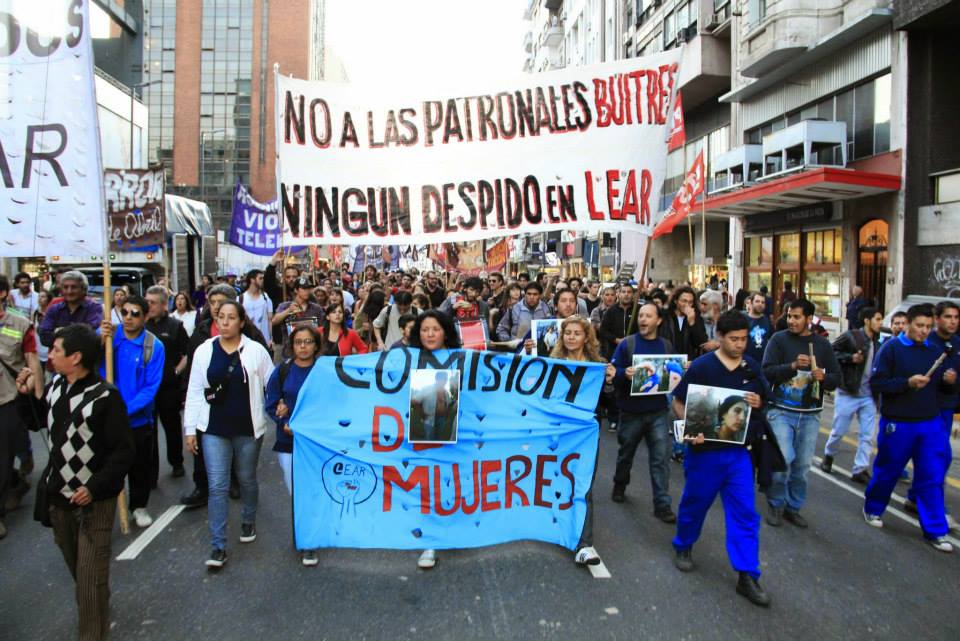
(713, 24)
(682, 35)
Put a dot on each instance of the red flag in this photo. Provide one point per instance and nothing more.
(692, 186)
(678, 134)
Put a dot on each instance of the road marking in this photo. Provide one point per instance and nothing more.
(141, 542)
(952, 482)
(892, 510)
(599, 571)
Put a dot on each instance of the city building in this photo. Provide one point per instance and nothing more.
(208, 80)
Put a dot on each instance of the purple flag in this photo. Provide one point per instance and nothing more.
(255, 226)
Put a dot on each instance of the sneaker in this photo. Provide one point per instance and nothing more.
(142, 518)
(309, 558)
(217, 558)
(618, 496)
(665, 514)
(951, 522)
(428, 559)
(941, 544)
(612, 427)
(197, 498)
(677, 457)
(178, 472)
(910, 507)
(774, 516)
(826, 465)
(248, 532)
(683, 561)
(587, 556)
(862, 477)
(873, 520)
(748, 587)
(795, 518)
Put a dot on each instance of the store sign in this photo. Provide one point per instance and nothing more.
(788, 218)
(579, 148)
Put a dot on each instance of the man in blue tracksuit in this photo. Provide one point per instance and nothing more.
(138, 359)
(643, 417)
(910, 425)
(713, 467)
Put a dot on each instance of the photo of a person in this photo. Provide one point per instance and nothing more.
(720, 414)
(546, 333)
(797, 391)
(656, 374)
(434, 405)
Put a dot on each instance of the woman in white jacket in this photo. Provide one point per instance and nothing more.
(225, 405)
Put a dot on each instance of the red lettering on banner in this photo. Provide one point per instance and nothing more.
(591, 207)
(378, 444)
(612, 176)
(542, 482)
(565, 470)
(488, 467)
(419, 476)
(510, 484)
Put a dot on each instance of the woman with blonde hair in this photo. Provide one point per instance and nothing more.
(578, 342)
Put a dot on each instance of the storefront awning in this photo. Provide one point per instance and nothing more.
(185, 216)
(803, 188)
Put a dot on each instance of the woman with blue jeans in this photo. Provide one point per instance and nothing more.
(282, 391)
(225, 405)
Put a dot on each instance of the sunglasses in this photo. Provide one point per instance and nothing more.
(135, 313)
(304, 342)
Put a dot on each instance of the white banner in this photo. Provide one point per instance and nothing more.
(581, 148)
(50, 167)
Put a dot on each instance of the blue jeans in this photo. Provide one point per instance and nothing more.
(796, 434)
(729, 472)
(653, 428)
(218, 452)
(846, 407)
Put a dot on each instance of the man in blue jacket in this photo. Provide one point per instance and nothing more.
(138, 359)
(910, 425)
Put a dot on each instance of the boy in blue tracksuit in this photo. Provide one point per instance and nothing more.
(910, 425)
(138, 359)
(712, 467)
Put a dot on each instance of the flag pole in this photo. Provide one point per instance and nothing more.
(703, 204)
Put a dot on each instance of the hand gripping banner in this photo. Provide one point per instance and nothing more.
(520, 467)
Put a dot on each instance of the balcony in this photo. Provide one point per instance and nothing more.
(553, 5)
(793, 148)
(552, 35)
(528, 10)
(737, 167)
(704, 68)
(528, 42)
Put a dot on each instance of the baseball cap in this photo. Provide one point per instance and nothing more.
(303, 283)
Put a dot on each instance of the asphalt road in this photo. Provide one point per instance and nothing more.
(840, 579)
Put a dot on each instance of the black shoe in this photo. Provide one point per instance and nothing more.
(677, 457)
(774, 516)
(26, 465)
(197, 498)
(747, 586)
(248, 532)
(795, 518)
(665, 514)
(826, 465)
(683, 561)
(235, 492)
(217, 559)
(178, 472)
(910, 507)
(618, 491)
(862, 477)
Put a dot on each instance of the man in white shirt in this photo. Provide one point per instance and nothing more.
(23, 297)
(258, 305)
(386, 326)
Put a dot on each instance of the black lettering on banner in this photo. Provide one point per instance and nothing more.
(486, 201)
(471, 221)
(309, 224)
(514, 203)
(378, 224)
(404, 371)
(565, 194)
(468, 119)
(327, 213)
(430, 193)
(586, 116)
(4, 167)
(507, 132)
(451, 122)
(399, 210)
(371, 143)
(567, 106)
(446, 207)
(346, 379)
(553, 109)
(75, 20)
(392, 135)
(11, 42)
(320, 141)
(574, 377)
(523, 371)
(485, 115)
(293, 118)
(542, 111)
(531, 200)
(41, 50)
(30, 155)
(349, 132)
(412, 134)
(290, 207)
(525, 113)
(431, 124)
(355, 221)
(454, 361)
(512, 372)
(488, 358)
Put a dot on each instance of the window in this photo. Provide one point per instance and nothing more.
(947, 188)
(669, 30)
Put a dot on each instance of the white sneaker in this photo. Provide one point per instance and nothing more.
(427, 559)
(309, 558)
(587, 556)
(873, 520)
(941, 544)
(142, 517)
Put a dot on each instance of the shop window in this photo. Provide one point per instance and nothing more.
(823, 290)
(789, 249)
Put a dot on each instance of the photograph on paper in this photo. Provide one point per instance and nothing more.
(719, 413)
(434, 405)
(656, 374)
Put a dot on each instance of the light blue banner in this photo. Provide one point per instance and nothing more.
(521, 468)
